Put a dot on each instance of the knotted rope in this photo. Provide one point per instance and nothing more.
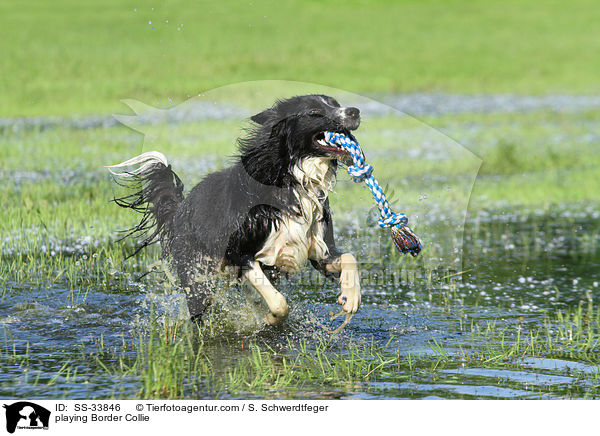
(404, 238)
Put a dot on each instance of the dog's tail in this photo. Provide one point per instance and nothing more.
(158, 191)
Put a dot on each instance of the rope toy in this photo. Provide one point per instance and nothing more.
(404, 238)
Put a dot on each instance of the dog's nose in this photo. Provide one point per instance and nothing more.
(352, 112)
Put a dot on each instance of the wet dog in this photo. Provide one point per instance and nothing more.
(267, 213)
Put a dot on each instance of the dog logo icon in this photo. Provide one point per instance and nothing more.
(26, 415)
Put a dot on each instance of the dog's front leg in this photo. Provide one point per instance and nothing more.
(278, 307)
(347, 267)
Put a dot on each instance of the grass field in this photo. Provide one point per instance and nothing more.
(68, 57)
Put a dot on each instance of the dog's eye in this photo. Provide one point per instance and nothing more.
(315, 112)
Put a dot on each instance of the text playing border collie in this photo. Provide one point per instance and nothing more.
(267, 213)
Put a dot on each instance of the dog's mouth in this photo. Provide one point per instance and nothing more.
(331, 149)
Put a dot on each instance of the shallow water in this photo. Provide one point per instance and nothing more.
(509, 286)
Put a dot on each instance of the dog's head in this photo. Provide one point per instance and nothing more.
(296, 125)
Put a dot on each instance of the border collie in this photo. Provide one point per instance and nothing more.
(266, 214)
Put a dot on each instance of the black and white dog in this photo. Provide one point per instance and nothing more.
(267, 213)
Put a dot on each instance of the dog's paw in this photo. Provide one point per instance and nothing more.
(278, 308)
(272, 319)
(350, 284)
(350, 299)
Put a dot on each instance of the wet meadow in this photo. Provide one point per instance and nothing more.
(502, 303)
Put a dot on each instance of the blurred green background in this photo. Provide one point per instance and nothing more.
(71, 57)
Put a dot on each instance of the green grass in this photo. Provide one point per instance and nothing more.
(175, 360)
(58, 193)
(172, 359)
(68, 57)
(58, 234)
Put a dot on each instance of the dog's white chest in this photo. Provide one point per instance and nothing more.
(289, 246)
(300, 237)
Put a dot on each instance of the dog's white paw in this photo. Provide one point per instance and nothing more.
(272, 319)
(276, 318)
(278, 308)
(350, 298)
(350, 284)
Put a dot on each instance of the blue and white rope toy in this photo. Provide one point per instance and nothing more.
(404, 238)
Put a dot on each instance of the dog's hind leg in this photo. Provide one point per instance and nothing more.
(254, 276)
(196, 287)
(197, 302)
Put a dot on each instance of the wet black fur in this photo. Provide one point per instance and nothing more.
(226, 218)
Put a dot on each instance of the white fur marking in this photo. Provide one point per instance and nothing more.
(300, 237)
(145, 160)
(349, 283)
(274, 299)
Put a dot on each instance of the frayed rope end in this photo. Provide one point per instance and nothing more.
(406, 240)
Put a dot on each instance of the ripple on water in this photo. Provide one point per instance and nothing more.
(443, 391)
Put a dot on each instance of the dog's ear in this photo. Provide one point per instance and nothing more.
(264, 116)
(283, 128)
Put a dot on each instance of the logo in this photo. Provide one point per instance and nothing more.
(26, 415)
